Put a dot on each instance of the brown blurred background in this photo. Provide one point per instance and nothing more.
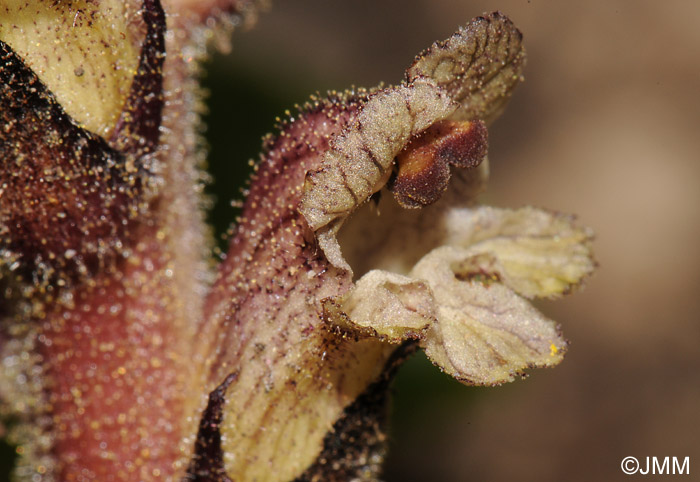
(605, 126)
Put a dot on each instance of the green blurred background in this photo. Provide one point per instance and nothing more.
(605, 126)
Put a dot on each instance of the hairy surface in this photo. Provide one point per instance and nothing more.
(127, 358)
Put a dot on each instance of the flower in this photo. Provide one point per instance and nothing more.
(129, 358)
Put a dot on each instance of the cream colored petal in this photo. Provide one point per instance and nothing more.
(485, 334)
(86, 52)
(279, 411)
(481, 333)
(472, 326)
(387, 305)
(537, 253)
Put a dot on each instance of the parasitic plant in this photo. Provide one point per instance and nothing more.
(127, 355)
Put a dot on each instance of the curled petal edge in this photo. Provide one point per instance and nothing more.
(359, 162)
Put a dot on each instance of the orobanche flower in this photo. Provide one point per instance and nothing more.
(128, 355)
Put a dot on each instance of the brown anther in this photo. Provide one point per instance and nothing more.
(424, 165)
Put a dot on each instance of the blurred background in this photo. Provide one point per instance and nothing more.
(605, 126)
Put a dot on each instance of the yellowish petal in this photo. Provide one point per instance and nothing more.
(387, 305)
(536, 253)
(86, 53)
(485, 334)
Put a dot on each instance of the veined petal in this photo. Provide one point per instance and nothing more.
(479, 66)
(536, 253)
(473, 327)
(485, 334)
